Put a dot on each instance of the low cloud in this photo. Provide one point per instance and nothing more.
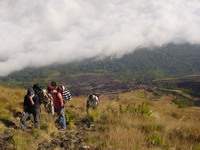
(43, 32)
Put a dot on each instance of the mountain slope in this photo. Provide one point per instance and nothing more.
(142, 65)
(138, 119)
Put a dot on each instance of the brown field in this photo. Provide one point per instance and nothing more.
(135, 120)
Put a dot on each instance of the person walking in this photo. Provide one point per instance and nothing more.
(31, 105)
(48, 101)
(58, 106)
(92, 101)
(38, 91)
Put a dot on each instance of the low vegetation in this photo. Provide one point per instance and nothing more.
(137, 120)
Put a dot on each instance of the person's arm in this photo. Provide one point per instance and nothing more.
(60, 99)
(96, 98)
(31, 100)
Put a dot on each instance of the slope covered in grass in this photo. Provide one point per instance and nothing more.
(135, 120)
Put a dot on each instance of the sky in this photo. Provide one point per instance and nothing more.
(36, 33)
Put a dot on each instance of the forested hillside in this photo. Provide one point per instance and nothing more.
(142, 65)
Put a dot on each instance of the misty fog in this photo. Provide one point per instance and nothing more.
(43, 32)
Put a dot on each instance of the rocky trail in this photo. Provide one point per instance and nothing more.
(69, 139)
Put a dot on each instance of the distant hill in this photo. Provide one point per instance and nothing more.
(191, 84)
(142, 65)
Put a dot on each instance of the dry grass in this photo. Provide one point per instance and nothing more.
(131, 121)
(168, 127)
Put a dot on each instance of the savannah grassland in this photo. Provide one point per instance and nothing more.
(137, 120)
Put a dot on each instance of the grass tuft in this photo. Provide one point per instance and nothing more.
(156, 140)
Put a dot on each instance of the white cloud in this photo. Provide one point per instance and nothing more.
(42, 32)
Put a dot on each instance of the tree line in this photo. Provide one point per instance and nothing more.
(142, 65)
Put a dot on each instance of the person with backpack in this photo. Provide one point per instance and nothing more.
(38, 91)
(59, 106)
(92, 101)
(31, 105)
(54, 84)
(48, 101)
(65, 93)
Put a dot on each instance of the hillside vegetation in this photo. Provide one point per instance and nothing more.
(137, 120)
(142, 65)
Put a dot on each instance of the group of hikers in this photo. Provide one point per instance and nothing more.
(53, 98)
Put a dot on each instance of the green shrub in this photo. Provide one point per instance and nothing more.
(21, 142)
(36, 133)
(43, 125)
(93, 115)
(183, 102)
(149, 128)
(156, 140)
(141, 109)
(70, 117)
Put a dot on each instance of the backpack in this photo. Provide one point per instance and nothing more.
(92, 101)
(48, 103)
(65, 93)
(30, 92)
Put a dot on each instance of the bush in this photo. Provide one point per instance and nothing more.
(70, 117)
(21, 142)
(43, 125)
(183, 102)
(149, 128)
(93, 115)
(141, 109)
(156, 140)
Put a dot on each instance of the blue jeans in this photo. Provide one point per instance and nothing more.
(36, 116)
(62, 119)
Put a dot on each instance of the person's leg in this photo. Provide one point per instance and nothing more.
(62, 118)
(87, 106)
(36, 115)
(23, 120)
(96, 104)
(51, 108)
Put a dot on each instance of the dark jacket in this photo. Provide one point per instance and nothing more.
(28, 107)
(38, 91)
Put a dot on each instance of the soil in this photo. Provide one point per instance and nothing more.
(68, 139)
(85, 84)
(188, 82)
(65, 139)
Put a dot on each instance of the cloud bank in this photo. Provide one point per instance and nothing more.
(43, 32)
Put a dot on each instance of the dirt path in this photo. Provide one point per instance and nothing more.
(69, 139)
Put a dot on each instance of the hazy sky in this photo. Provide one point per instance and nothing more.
(42, 32)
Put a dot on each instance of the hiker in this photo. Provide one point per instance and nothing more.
(92, 101)
(38, 91)
(48, 101)
(59, 106)
(65, 93)
(54, 84)
(31, 105)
